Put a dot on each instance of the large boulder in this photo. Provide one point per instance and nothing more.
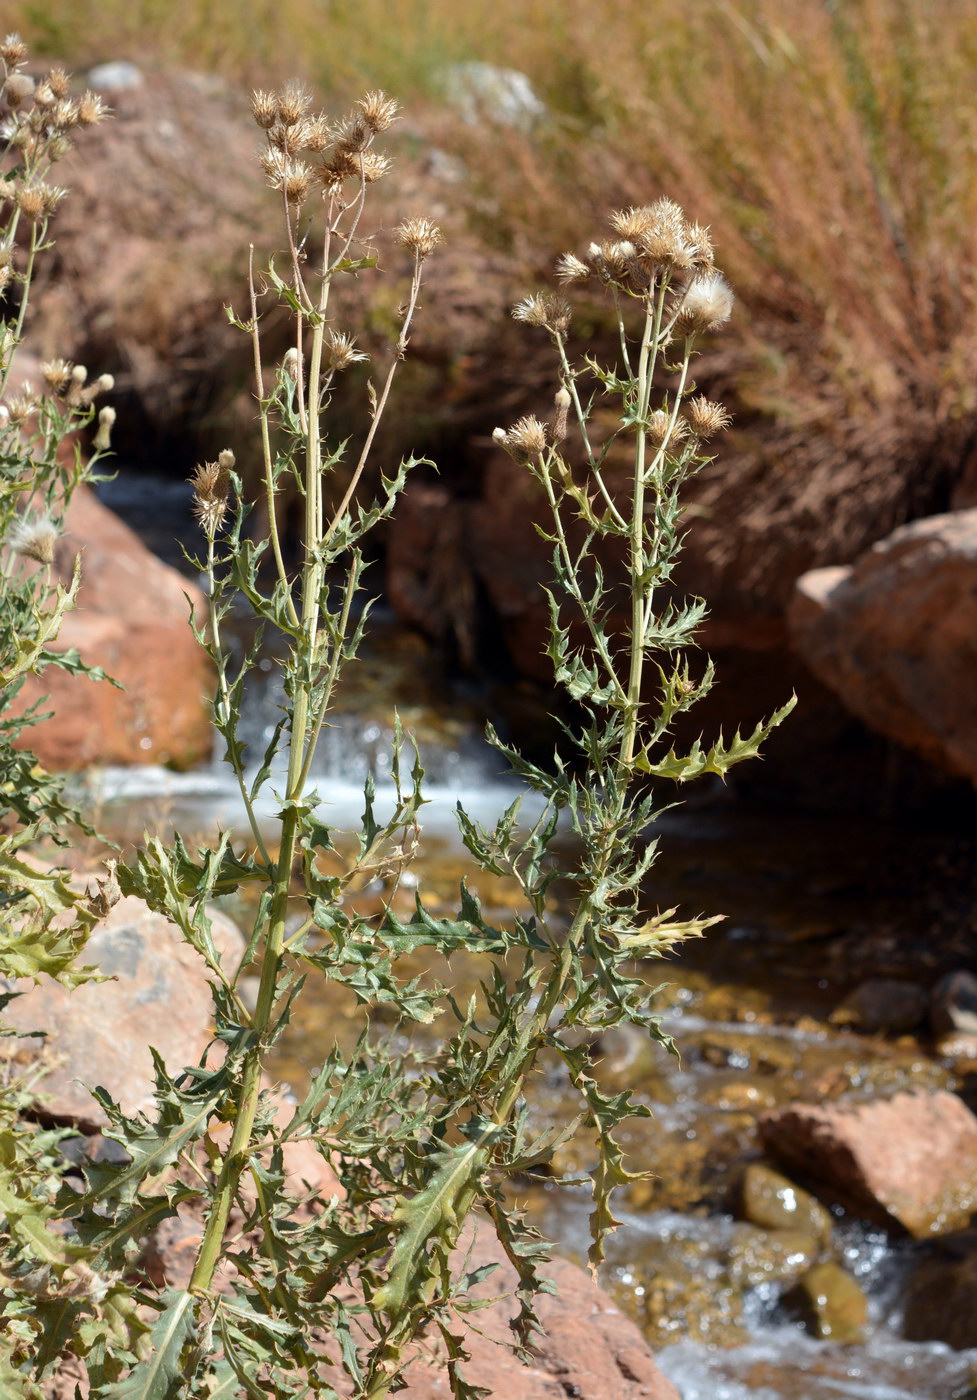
(589, 1349)
(909, 1161)
(100, 1033)
(895, 636)
(132, 619)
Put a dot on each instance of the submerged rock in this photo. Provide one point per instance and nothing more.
(883, 1004)
(940, 1300)
(770, 1200)
(830, 1303)
(953, 1005)
(910, 1160)
(100, 1033)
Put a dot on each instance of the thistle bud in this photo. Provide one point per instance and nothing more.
(34, 538)
(290, 364)
(103, 438)
(17, 89)
(562, 400)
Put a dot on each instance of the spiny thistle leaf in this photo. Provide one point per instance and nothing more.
(161, 1376)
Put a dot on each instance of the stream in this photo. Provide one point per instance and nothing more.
(813, 907)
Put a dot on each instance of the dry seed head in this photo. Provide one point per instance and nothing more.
(342, 166)
(315, 135)
(91, 109)
(44, 95)
(52, 195)
(707, 417)
(64, 115)
(339, 350)
(59, 81)
(633, 223)
(290, 364)
(353, 134)
(294, 101)
(661, 430)
(22, 406)
(34, 538)
(372, 166)
(58, 147)
(211, 483)
(13, 50)
(103, 438)
(524, 441)
(17, 89)
(379, 110)
(264, 108)
(544, 309)
(706, 305)
(30, 202)
(419, 236)
(296, 182)
(56, 374)
(570, 268)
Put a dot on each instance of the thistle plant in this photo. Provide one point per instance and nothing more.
(332, 1294)
(42, 463)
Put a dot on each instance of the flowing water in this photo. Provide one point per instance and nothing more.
(812, 909)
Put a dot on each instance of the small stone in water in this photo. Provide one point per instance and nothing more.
(830, 1303)
(773, 1201)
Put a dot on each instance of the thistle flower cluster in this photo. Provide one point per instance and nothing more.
(36, 122)
(656, 245)
(306, 151)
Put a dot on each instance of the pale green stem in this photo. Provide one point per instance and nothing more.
(223, 698)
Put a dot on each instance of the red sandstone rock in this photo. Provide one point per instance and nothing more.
(895, 636)
(911, 1159)
(101, 1032)
(132, 619)
(590, 1350)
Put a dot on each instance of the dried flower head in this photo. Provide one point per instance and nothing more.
(264, 108)
(103, 438)
(17, 89)
(30, 202)
(706, 417)
(56, 374)
(294, 101)
(290, 364)
(662, 431)
(524, 441)
(419, 236)
(34, 537)
(342, 166)
(353, 134)
(13, 50)
(544, 309)
(23, 405)
(706, 304)
(44, 95)
(339, 350)
(570, 268)
(314, 134)
(372, 166)
(91, 109)
(59, 81)
(379, 110)
(296, 182)
(107, 892)
(211, 482)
